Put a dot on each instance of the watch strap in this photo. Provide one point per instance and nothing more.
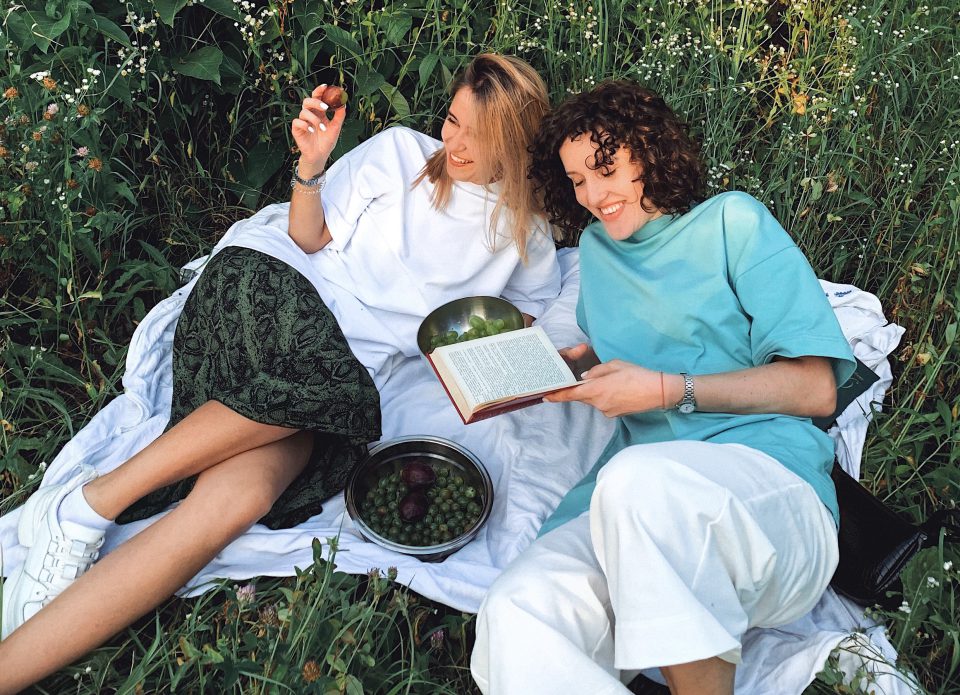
(688, 403)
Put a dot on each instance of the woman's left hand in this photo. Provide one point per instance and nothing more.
(615, 388)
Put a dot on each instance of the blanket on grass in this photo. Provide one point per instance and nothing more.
(533, 455)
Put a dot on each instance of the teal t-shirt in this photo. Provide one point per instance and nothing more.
(720, 288)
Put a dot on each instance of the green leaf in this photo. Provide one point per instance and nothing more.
(43, 29)
(336, 663)
(18, 24)
(943, 408)
(262, 161)
(105, 27)
(311, 19)
(367, 81)
(123, 189)
(223, 7)
(816, 189)
(350, 135)
(342, 38)
(397, 101)
(167, 9)
(950, 333)
(354, 686)
(204, 64)
(212, 655)
(118, 86)
(231, 73)
(397, 28)
(426, 68)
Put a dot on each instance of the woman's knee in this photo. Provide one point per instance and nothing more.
(652, 480)
(637, 472)
(241, 491)
(235, 503)
(505, 594)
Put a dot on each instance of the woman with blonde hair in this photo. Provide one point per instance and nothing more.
(276, 376)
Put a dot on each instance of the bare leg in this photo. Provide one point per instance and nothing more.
(210, 434)
(712, 676)
(151, 566)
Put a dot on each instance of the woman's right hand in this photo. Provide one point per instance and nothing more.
(315, 133)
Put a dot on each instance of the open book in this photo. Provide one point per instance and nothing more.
(488, 376)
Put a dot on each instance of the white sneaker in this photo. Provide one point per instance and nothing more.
(59, 552)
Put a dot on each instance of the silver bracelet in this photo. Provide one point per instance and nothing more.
(314, 183)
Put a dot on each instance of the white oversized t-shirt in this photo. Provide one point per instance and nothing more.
(394, 258)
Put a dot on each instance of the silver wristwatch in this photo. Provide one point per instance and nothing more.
(688, 403)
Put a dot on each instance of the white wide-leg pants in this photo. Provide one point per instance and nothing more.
(686, 546)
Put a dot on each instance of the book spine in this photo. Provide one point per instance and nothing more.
(447, 391)
(504, 408)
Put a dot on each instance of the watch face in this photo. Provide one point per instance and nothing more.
(686, 408)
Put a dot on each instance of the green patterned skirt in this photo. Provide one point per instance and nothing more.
(255, 336)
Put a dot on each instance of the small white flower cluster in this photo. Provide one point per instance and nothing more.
(902, 170)
(751, 5)
(40, 76)
(144, 43)
(587, 22)
(140, 24)
(716, 175)
(133, 59)
(43, 464)
(948, 148)
(252, 22)
(665, 54)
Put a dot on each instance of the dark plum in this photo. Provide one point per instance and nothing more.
(413, 506)
(418, 474)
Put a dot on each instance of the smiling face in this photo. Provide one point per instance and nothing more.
(613, 194)
(465, 158)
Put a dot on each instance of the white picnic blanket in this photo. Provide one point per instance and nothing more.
(533, 455)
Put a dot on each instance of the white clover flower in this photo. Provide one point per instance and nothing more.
(246, 594)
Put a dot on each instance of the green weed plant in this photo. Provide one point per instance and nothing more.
(133, 133)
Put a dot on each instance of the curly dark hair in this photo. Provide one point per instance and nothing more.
(617, 113)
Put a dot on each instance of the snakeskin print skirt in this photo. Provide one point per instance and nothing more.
(255, 336)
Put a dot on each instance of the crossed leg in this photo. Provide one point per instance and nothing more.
(243, 467)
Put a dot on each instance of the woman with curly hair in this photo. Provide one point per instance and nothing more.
(711, 510)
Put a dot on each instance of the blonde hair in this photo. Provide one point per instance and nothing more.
(513, 99)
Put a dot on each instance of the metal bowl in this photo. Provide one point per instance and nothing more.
(455, 316)
(388, 457)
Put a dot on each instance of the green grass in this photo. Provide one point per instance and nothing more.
(844, 118)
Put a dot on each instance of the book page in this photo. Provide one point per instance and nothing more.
(505, 366)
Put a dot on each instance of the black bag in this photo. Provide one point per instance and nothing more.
(875, 542)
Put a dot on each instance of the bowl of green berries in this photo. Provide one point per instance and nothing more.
(465, 319)
(422, 496)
